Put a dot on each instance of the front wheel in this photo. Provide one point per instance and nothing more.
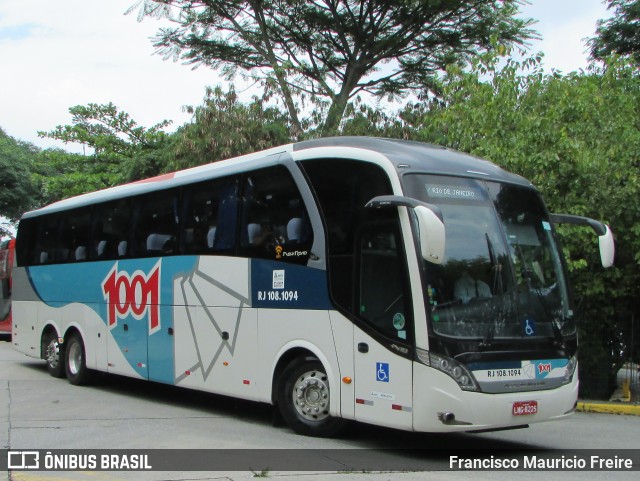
(303, 399)
(75, 364)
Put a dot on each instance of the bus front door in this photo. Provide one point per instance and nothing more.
(383, 301)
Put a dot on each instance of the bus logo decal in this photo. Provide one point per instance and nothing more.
(544, 368)
(137, 295)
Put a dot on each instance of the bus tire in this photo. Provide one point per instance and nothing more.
(53, 354)
(303, 399)
(75, 363)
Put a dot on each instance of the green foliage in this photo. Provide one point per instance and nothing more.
(119, 150)
(60, 174)
(619, 34)
(577, 138)
(368, 121)
(223, 127)
(17, 193)
(329, 51)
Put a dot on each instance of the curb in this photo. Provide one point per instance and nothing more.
(608, 408)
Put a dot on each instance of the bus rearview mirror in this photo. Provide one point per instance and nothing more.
(607, 248)
(430, 224)
(431, 235)
(605, 236)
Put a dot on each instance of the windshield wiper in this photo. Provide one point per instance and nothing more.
(498, 289)
(496, 267)
(488, 337)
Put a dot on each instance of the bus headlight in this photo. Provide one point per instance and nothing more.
(458, 372)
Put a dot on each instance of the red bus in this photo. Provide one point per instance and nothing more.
(6, 263)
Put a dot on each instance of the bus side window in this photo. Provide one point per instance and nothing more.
(74, 236)
(26, 250)
(383, 287)
(46, 240)
(209, 212)
(156, 224)
(342, 188)
(274, 223)
(111, 231)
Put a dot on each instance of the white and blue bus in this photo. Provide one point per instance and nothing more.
(390, 282)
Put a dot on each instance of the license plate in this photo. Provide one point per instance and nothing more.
(524, 408)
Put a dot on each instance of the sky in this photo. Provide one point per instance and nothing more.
(55, 54)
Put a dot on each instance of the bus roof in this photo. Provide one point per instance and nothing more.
(412, 156)
(405, 156)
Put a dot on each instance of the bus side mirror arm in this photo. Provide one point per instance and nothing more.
(605, 236)
(431, 231)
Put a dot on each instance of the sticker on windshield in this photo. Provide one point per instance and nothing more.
(546, 225)
(529, 327)
(398, 321)
(453, 192)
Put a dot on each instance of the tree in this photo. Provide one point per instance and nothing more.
(119, 151)
(60, 174)
(577, 138)
(223, 127)
(17, 192)
(331, 51)
(619, 34)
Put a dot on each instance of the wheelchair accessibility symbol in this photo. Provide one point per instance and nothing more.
(529, 327)
(382, 371)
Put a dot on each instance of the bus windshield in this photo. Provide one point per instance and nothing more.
(502, 276)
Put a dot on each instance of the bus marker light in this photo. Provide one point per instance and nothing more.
(187, 373)
(246, 382)
(346, 380)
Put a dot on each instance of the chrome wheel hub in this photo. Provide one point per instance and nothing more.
(52, 353)
(75, 358)
(311, 396)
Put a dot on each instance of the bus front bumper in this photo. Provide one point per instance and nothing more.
(441, 406)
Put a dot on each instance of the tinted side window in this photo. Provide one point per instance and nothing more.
(275, 224)
(56, 238)
(342, 188)
(210, 213)
(111, 230)
(46, 240)
(74, 236)
(155, 224)
(25, 243)
(384, 295)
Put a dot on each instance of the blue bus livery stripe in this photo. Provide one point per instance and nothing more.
(138, 299)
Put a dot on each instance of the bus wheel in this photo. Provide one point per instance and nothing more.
(303, 399)
(53, 354)
(75, 364)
